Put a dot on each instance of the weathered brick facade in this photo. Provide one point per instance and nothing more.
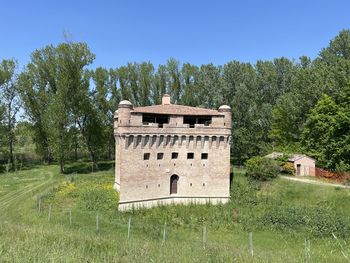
(171, 154)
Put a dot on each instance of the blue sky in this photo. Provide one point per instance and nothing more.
(191, 31)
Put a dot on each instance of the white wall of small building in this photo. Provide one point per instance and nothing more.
(307, 166)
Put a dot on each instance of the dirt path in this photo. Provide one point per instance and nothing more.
(309, 181)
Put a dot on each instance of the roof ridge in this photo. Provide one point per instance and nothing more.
(176, 109)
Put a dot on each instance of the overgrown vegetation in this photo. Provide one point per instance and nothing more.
(262, 169)
(280, 104)
(281, 215)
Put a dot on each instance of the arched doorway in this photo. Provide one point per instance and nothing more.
(173, 184)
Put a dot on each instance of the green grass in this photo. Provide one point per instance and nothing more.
(26, 235)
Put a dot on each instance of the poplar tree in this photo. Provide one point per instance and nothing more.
(53, 84)
(9, 105)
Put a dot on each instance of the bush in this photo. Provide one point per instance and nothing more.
(288, 168)
(99, 197)
(67, 189)
(262, 169)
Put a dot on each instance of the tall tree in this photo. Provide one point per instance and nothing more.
(104, 100)
(210, 83)
(190, 75)
(55, 76)
(146, 74)
(326, 134)
(174, 78)
(34, 92)
(160, 84)
(10, 103)
(234, 75)
(124, 82)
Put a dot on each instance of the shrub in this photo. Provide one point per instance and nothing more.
(99, 197)
(282, 159)
(262, 169)
(67, 189)
(288, 168)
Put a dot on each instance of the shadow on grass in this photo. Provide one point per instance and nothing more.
(23, 167)
(86, 167)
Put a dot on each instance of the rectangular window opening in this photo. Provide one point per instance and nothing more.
(192, 120)
(160, 156)
(146, 156)
(204, 156)
(155, 118)
(174, 155)
(190, 155)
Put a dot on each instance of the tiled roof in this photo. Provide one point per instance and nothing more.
(296, 157)
(292, 158)
(173, 109)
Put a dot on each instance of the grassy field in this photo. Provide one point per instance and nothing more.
(279, 214)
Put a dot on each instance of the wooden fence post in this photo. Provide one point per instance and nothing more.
(49, 216)
(39, 206)
(97, 222)
(204, 236)
(129, 227)
(251, 249)
(307, 251)
(164, 232)
(70, 217)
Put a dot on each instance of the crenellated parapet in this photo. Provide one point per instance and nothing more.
(161, 141)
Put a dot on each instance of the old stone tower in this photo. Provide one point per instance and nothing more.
(171, 154)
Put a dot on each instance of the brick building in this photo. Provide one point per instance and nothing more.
(171, 154)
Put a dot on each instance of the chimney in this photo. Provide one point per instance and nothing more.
(166, 99)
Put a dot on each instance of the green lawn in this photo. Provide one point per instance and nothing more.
(280, 215)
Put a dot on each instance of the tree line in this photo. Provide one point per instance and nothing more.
(66, 108)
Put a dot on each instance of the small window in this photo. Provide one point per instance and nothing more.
(190, 184)
(203, 184)
(190, 155)
(146, 156)
(160, 156)
(204, 156)
(174, 155)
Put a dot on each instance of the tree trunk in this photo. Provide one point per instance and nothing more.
(61, 165)
(75, 143)
(10, 136)
(92, 157)
(76, 151)
(12, 161)
(91, 151)
(112, 142)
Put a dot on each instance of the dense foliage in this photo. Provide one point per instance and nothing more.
(262, 169)
(282, 103)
